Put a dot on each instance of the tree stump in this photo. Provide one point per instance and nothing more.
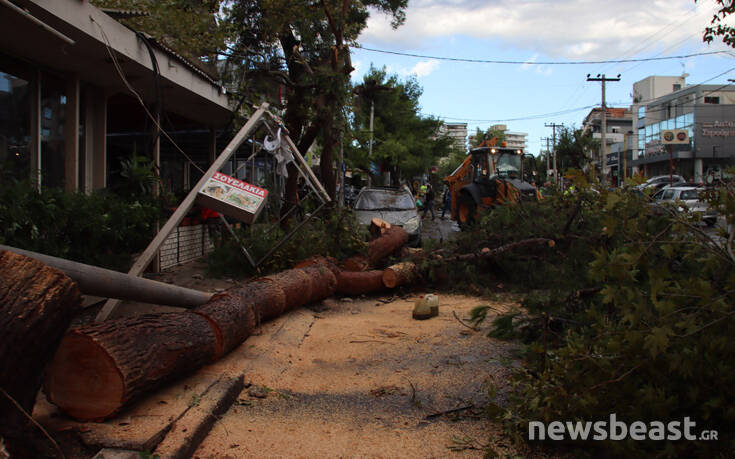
(101, 368)
(399, 274)
(37, 304)
(357, 283)
(232, 317)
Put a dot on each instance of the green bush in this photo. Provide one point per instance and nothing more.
(644, 330)
(100, 229)
(333, 232)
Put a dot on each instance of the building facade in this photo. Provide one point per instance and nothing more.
(457, 132)
(707, 113)
(518, 140)
(618, 127)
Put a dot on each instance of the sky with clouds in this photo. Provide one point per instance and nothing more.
(537, 34)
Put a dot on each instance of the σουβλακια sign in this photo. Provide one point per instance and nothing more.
(232, 197)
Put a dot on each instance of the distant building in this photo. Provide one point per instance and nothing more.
(512, 139)
(707, 112)
(458, 133)
(618, 128)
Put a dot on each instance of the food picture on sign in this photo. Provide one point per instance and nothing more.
(681, 136)
(232, 197)
(668, 136)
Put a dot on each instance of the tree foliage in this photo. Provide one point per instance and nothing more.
(634, 316)
(575, 149)
(717, 27)
(488, 134)
(405, 142)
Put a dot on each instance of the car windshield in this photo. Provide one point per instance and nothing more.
(385, 200)
(689, 194)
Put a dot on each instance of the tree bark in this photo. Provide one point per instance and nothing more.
(356, 264)
(267, 296)
(399, 274)
(323, 282)
(37, 304)
(393, 239)
(101, 368)
(233, 318)
(296, 284)
(357, 283)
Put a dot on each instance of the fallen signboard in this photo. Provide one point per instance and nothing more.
(232, 197)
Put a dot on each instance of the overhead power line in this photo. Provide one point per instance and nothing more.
(530, 117)
(511, 62)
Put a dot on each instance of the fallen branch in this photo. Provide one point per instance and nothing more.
(490, 253)
(461, 322)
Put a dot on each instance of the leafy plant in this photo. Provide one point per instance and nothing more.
(642, 330)
(101, 229)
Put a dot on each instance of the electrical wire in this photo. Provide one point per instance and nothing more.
(512, 62)
(120, 72)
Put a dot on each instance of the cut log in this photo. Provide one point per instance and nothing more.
(267, 296)
(378, 227)
(98, 369)
(232, 317)
(356, 264)
(357, 283)
(319, 260)
(323, 282)
(296, 284)
(399, 274)
(37, 304)
(392, 240)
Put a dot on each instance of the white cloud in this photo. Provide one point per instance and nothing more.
(424, 68)
(562, 29)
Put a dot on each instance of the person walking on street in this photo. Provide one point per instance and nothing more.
(446, 201)
(429, 201)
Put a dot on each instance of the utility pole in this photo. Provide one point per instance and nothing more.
(553, 126)
(548, 154)
(603, 79)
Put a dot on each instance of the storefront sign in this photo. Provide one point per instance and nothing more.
(232, 197)
(719, 129)
(675, 137)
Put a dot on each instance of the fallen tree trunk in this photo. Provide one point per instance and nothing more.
(393, 239)
(296, 284)
(100, 368)
(267, 297)
(490, 253)
(323, 282)
(399, 274)
(356, 264)
(232, 317)
(37, 304)
(357, 283)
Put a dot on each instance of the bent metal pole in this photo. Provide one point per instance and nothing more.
(106, 283)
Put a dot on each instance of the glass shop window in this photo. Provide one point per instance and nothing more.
(53, 117)
(15, 120)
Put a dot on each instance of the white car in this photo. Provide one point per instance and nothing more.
(396, 206)
(688, 199)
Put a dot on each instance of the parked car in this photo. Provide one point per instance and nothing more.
(661, 181)
(396, 206)
(686, 198)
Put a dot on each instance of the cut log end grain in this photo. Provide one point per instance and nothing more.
(399, 274)
(357, 283)
(98, 369)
